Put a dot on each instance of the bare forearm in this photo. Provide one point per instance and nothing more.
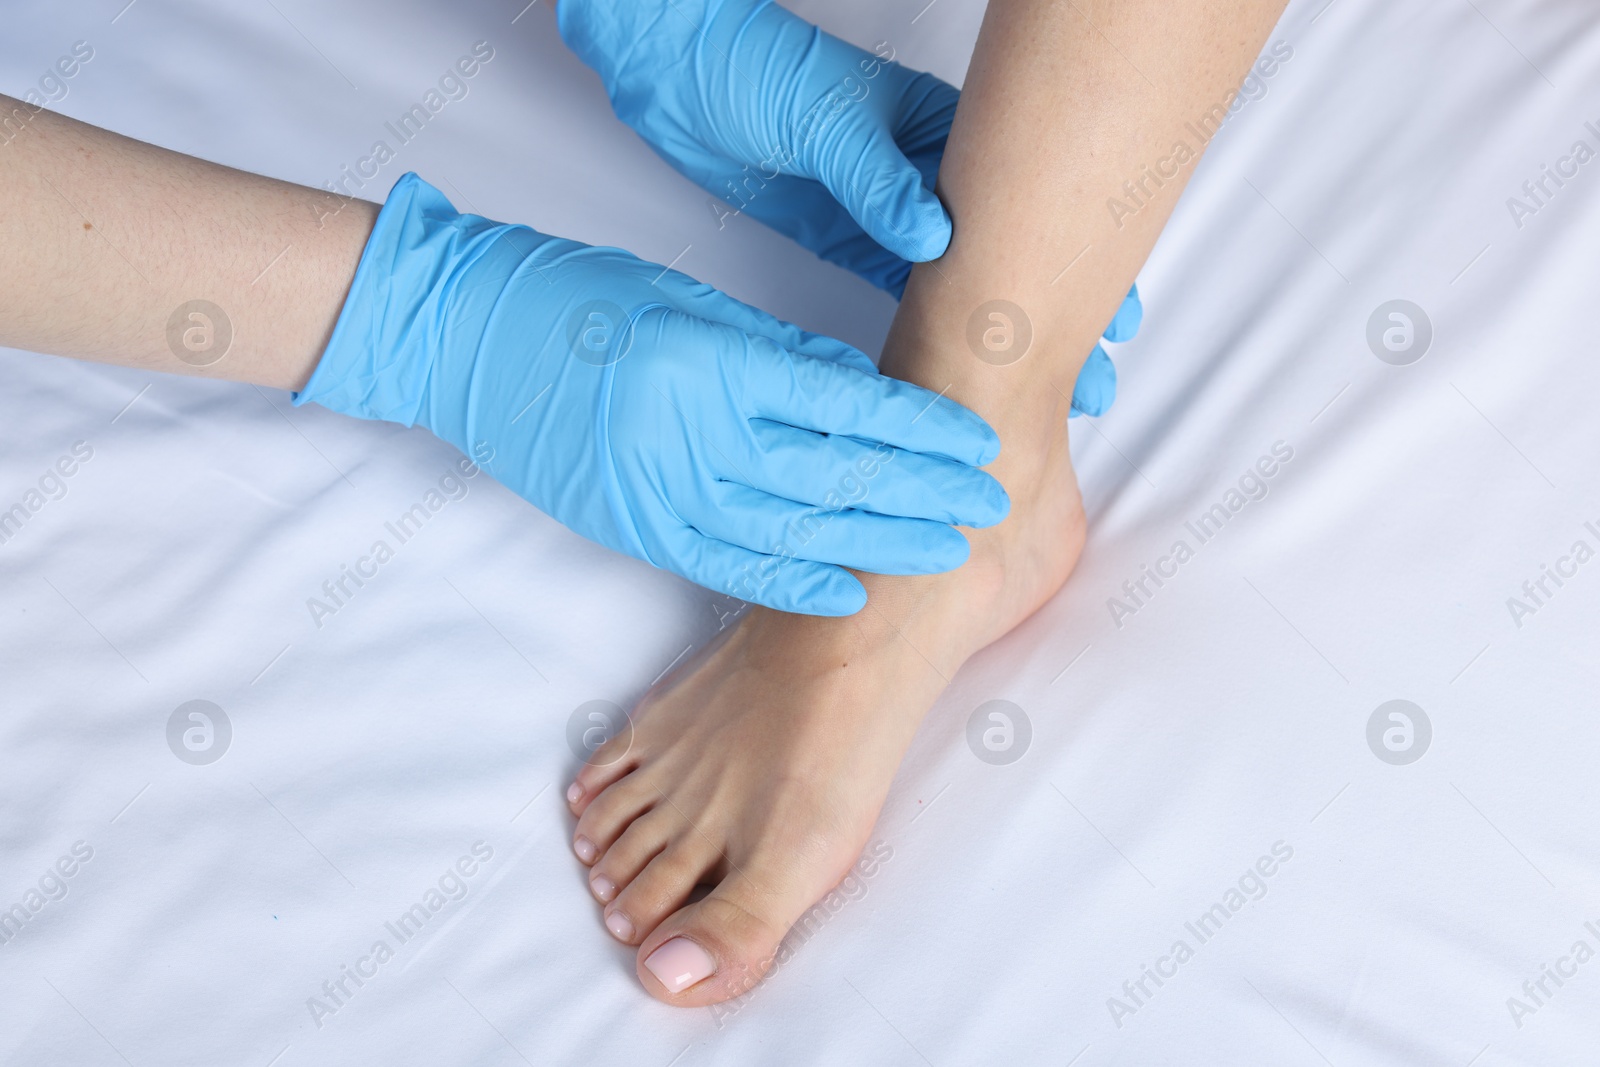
(111, 245)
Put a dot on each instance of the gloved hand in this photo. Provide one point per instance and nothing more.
(833, 146)
(654, 414)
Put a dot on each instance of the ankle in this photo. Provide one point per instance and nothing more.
(1026, 402)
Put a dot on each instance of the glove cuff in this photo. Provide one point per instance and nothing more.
(423, 295)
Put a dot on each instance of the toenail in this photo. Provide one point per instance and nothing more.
(574, 793)
(680, 963)
(620, 927)
(604, 888)
(585, 849)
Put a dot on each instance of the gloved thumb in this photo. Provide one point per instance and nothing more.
(882, 190)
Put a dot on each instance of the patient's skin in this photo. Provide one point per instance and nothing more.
(761, 766)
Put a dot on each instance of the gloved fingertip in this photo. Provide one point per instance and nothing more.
(840, 595)
(963, 435)
(975, 500)
(931, 230)
(1128, 318)
(1096, 388)
(816, 589)
(949, 551)
(991, 505)
(915, 226)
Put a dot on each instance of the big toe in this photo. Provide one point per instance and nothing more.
(708, 952)
(720, 947)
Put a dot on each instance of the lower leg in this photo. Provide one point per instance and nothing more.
(761, 766)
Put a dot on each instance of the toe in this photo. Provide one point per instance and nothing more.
(644, 839)
(660, 889)
(720, 947)
(606, 816)
(594, 779)
(604, 768)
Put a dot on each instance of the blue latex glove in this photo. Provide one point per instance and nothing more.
(833, 146)
(652, 413)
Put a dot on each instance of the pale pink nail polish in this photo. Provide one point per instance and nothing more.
(603, 887)
(680, 963)
(585, 849)
(574, 793)
(620, 927)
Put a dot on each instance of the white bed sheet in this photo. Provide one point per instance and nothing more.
(1226, 716)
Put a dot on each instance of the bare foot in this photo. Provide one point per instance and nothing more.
(760, 767)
